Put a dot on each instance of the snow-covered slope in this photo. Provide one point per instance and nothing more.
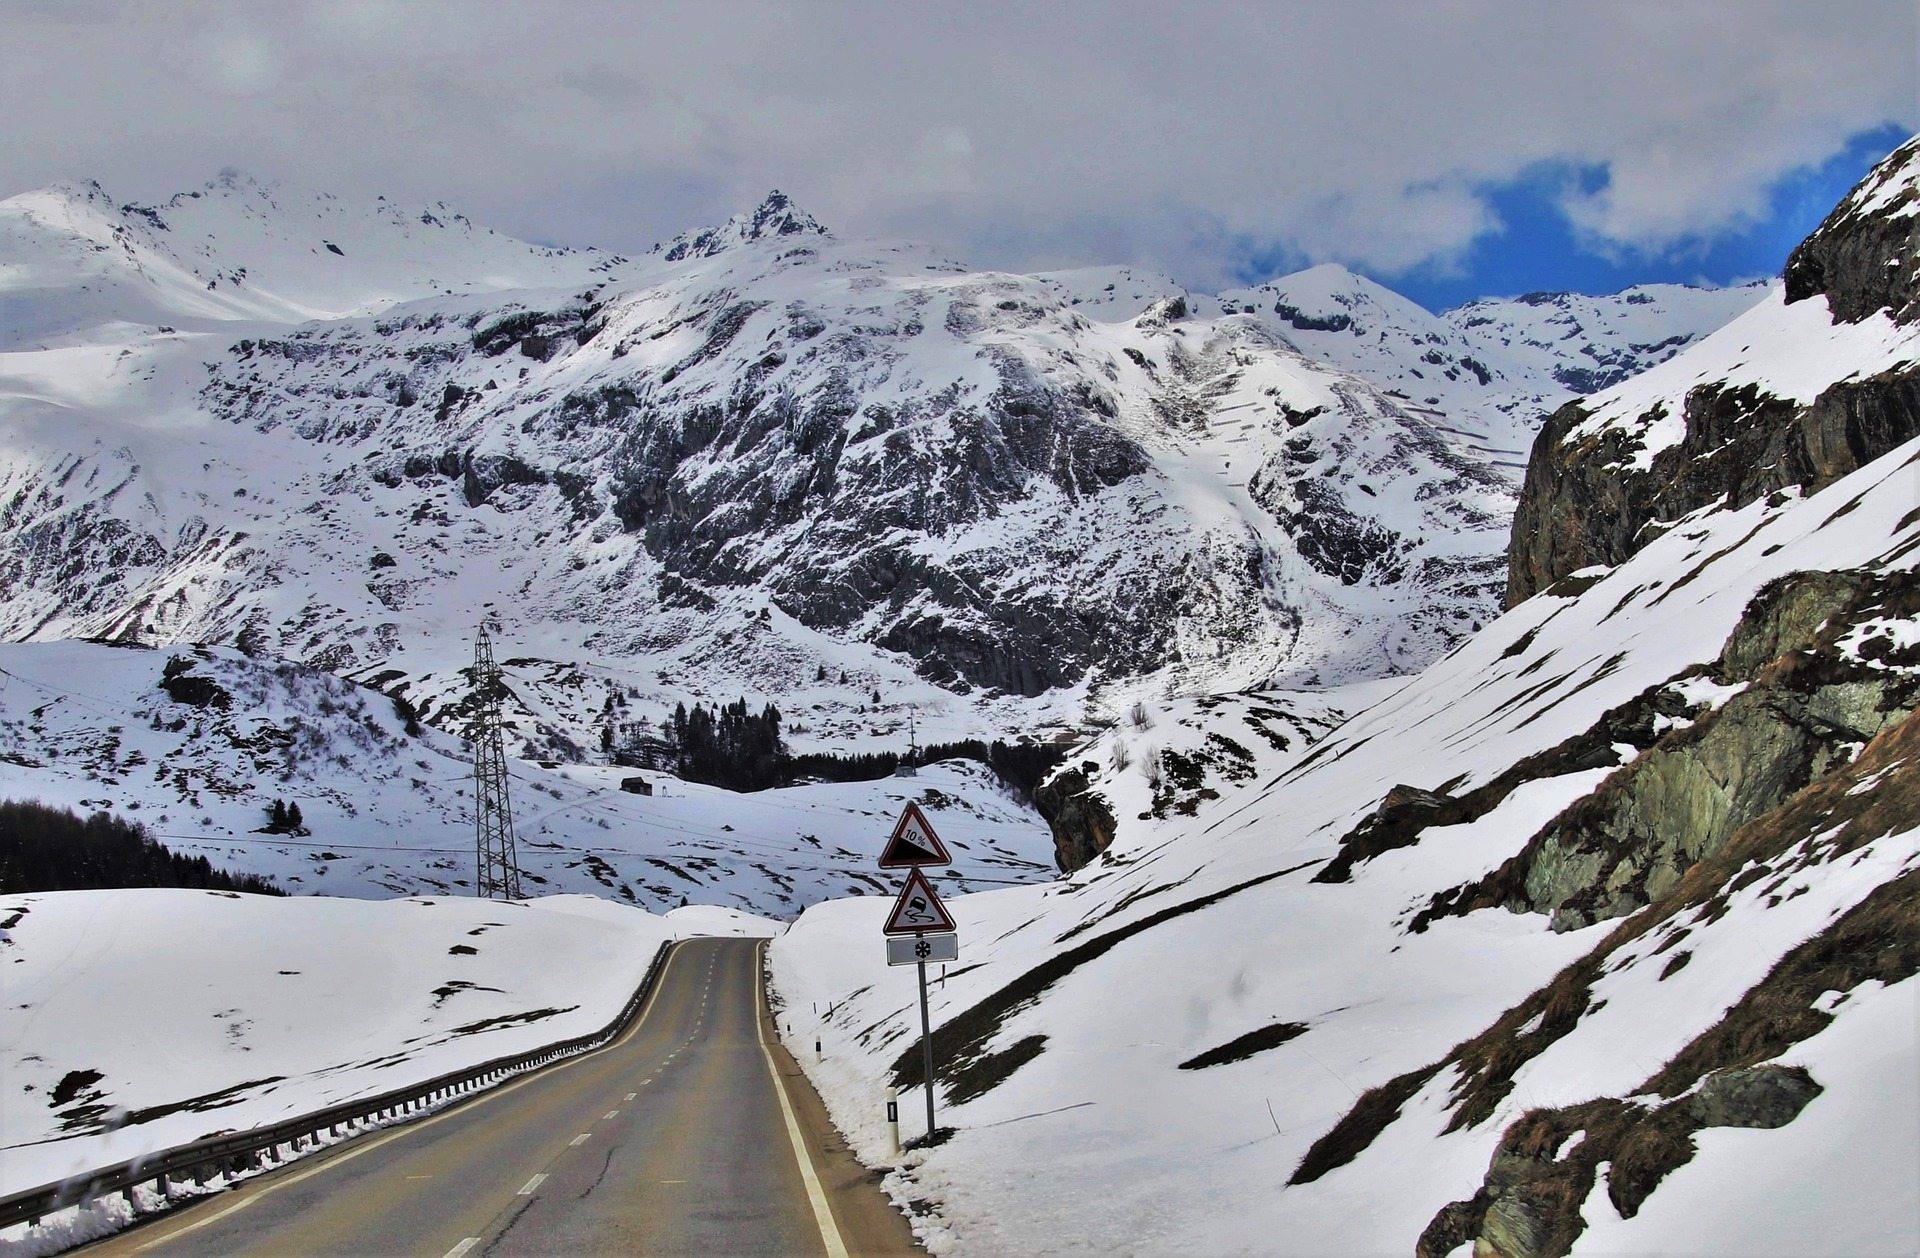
(1614, 901)
(252, 1009)
(755, 462)
(72, 262)
(199, 755)
(1489, 370)
(1213, 931)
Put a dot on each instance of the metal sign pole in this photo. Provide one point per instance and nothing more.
(926, 1047)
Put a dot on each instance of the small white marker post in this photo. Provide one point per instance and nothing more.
(893, 1119)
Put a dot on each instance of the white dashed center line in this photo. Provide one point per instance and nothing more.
(581, 1139)
(610, 1115)
(532, 1184)
(463, 1247)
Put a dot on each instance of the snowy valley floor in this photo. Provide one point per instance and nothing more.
(387, 810)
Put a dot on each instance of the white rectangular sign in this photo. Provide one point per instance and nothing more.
(910, 949)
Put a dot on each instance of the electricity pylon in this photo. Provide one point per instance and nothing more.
(497, 858)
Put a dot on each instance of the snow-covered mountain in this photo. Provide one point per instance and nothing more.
(1489, 370)
(1600, 934)
(758, 460)
(79, 267)
(772, 462)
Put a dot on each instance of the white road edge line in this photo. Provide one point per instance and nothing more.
(816, 1196)
(534, 1183)
(354, 1150)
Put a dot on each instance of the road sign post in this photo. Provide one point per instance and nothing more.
(926, 1047)
(918, 914)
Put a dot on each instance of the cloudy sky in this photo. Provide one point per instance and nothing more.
(1451, 148)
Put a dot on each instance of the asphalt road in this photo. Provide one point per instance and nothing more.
(694, 1133)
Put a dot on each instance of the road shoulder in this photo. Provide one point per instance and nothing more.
(868, 1221)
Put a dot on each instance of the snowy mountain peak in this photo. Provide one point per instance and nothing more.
(1329, 298)
(775, 216)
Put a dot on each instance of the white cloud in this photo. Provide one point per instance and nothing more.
(1055, 134)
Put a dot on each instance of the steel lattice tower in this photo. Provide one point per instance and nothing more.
(496, 855)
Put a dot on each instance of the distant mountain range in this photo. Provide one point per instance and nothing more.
(758, 459)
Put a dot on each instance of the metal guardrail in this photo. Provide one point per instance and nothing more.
(260, 1147)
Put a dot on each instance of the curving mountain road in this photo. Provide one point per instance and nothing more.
(693, 1133)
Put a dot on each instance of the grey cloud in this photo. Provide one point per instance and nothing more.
(1052, 134)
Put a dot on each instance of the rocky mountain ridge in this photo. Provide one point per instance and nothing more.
(1811, 384)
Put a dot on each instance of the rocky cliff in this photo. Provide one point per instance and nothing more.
(1816, 381)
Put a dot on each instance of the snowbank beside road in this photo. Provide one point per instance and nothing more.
(139, 1020)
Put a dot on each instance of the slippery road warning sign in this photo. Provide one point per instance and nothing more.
(918, 911)
(914, 843)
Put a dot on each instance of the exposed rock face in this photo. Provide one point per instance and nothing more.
(1549, 1162)
(1866, 255)
(1581, 505)
(1591, 496)
(1811, 695)
(1081, 820)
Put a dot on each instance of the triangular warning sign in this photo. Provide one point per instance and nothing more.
(914, 843)
(918, 911)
